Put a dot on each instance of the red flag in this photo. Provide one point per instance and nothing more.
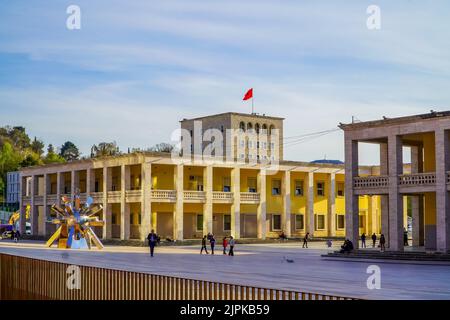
(249, 94)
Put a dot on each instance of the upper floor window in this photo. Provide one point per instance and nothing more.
(242, 126)
(251, 184)
(340, 189)
(226, 184)
(299, 188)
(321, 189)
(276, 187)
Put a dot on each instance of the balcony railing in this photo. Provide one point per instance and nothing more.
(220, 196)
(194, 195)
(133, 195)
(52, 198)
(371, 182)
(26, 199)
(38, 199)
(165, 195)
(97, 197)
(114, 195)
(417, 179)
(252, 197)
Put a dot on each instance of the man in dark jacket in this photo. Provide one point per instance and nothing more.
(204, 245)
(374, 240)
(152, 239)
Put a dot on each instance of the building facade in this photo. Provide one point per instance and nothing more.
(248, 137)
(185, 200)
(426, 137)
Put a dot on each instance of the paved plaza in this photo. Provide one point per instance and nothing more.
(261, 265)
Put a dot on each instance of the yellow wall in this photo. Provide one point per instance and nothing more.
(163, 177)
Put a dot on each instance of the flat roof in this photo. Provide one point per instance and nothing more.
(262, 116)
(392, 121)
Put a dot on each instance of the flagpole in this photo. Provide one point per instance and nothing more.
(253, 98)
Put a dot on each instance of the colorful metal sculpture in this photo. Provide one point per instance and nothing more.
(75, 224)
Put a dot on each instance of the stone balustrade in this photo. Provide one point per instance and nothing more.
(371, 182)
(417, 179)
(164, 195)
(249, 197)
(196, 196)
(222, 197)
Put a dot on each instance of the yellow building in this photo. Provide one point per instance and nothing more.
(256, 195)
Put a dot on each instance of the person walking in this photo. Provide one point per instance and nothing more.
(225, 245)
(212, 242)
(382, 243)
(152, 240)
(204, 245)
(13, 234)
(374, 240)
(232, 243)
(363, 240)
(305, 240)
(405, 237)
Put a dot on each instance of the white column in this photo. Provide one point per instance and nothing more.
(72, 184)
(208, 206)
(262, 207)
(332, 206)
(124, 206)
(236, 206)
(146, 204)
(286, 217)
(417, 200)
(395, 198)
(384, 199)
(22, 221)
(107, 216)
(179, 210)
(442, 196)
(34, 215)
(89, 182)
(43, 222)
(310, 223)
(351, 199)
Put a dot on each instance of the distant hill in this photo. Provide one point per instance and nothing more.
(326, 161)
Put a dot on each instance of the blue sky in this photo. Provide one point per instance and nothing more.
(138, 67)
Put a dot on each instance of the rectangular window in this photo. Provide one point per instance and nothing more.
(320, 222)
(226, 222)
(340, 189)
(340, 221)
(199, 222)
(276, 187)
(299, 222)
(251, 184)
(226, 184)
(276, 222)
(299, 188)
(321, 189)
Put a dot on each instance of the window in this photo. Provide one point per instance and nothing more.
(199, 222)
(299, 188)
(299, 222)
(276, 222)
(226, 222)
(321, 189)
(251, 184)
(340, 221)
(221, 129)
(340, 189)
(226, 184)
(320, 222)
(276, 187)
(113, 219)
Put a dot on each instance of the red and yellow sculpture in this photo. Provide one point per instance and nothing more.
(75, 224)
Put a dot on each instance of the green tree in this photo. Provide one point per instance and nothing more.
(162, 147)
(31, 159)
(104, 149)
(69, 151)
(52, 156)
(9, 161)
(37, 146)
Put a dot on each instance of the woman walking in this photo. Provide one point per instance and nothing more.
(204, 245)
(225, 245)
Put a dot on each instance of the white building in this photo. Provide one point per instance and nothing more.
(12, 187)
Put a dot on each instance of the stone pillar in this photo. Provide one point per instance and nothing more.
(442, 196)
(179, 210)
(59, 187)
(262, 206)
(351, 199)
(43, 222)
(208, 206)
(286, 216)
(384, 199)
(22, 218)
(417, 205)
(34, 214)
(107, 215)
(146, 204)
(89, 182)
(332, 206)
(310, 223)
(395, 198)
(124, 206)
(417, 220)
(72, 184)
(236, 206)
